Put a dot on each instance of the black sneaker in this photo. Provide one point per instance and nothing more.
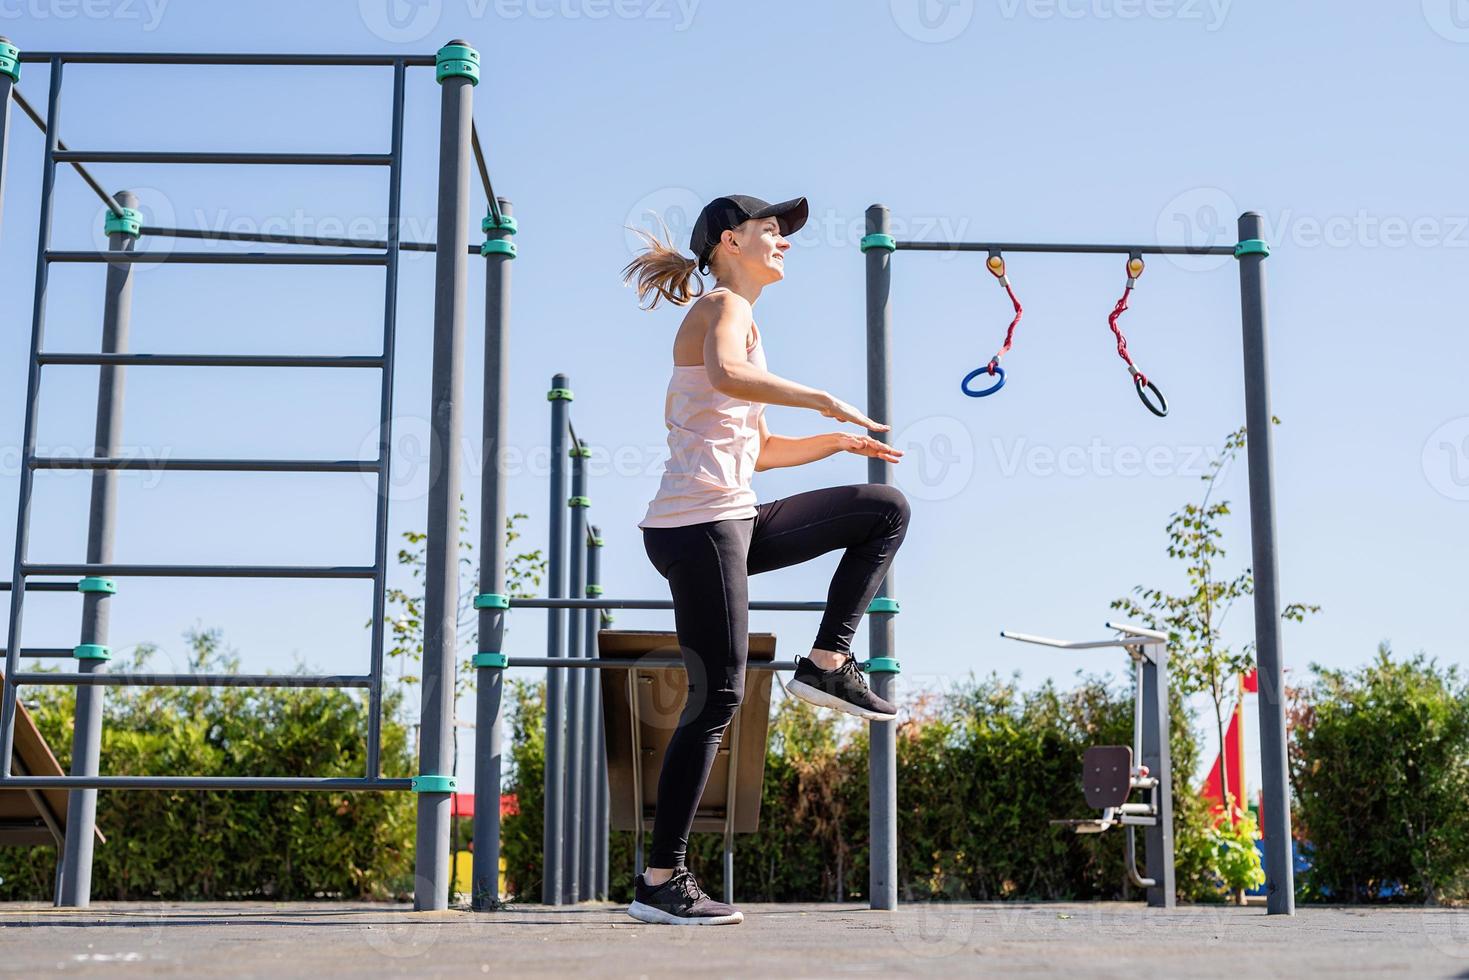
(843, 689)
(680, 901)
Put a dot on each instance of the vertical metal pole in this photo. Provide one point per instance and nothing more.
(489, 746)
(577, 755)
(28, 445)
(385, 432)
(86, 740)
(595, 829)
(441, 565)
(882, 772)
(1156, 756)
(7, 82)
(553, 889)
(1259, 449)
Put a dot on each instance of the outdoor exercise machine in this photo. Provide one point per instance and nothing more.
(1110, 773)
(879, 245)
(456, 69)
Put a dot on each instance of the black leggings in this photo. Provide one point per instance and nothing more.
(707, 567)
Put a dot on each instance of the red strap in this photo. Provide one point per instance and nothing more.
(1117, 312)
(1010, 333)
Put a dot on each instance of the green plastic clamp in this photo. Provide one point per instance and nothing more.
(10, 60)
(491, 600)
(584, 452)
(558, 394)
(435, 784)
(498, 246)
(1252, 246)
(882, 665)
(507, 224)
(879, 240)
(882, 604)
(93, 584)
(597, 542)
(92, 651)
(130, 222)
(456, 61)
(593, 591)
(491, 660)
(579, 502)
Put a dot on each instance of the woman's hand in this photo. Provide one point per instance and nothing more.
(867, 446)
(834, 408)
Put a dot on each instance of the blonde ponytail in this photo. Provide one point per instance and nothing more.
(662, 272)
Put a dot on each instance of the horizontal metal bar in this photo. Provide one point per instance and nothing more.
(201, 571)
(646, 663)
(203, 782)
(103, 679)
(42, 586)
(207, 465)
(222, 258)
(1046, 641)
(237, 159)
(43, 653)
(182, 58)
(272, 238)
(759, 605)
(1132, 630)
(214, 360)
(1058, 248)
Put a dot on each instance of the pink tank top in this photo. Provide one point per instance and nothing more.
(713, 441)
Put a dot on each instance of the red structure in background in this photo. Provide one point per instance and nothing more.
(464, 805)
(1232, 759)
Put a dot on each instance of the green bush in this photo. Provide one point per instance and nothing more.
(1380, 766)
(980, 772)
(186, 845)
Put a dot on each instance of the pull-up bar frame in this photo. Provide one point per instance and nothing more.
(1251, 251)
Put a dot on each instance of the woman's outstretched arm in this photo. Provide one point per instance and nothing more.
(777, 451)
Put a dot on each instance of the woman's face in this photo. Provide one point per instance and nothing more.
(758, 248)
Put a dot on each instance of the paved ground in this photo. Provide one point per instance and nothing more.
(1104, 940)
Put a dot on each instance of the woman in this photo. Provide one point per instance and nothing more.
(705, 533)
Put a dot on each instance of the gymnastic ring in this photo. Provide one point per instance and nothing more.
(1143, 387)
(999, 373)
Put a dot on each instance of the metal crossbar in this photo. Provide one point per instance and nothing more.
(192, 680)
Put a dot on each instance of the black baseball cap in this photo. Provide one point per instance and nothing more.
(725, 213)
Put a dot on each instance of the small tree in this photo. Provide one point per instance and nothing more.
(523, 573)
(1200, 658)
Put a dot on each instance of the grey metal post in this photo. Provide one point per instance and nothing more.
(441, 563)
(489, 737)
(1274, 770)
(577, 755)
(596, 827)
(882, 772)
(86, 740)
(7, 82)
(553, 889)
(1156, 756)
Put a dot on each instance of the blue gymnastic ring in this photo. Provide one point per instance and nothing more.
(985, 370)
(1157, 405)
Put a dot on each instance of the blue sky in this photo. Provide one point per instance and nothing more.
(1029, 120)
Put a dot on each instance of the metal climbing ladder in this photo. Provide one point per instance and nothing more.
(457, 70)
